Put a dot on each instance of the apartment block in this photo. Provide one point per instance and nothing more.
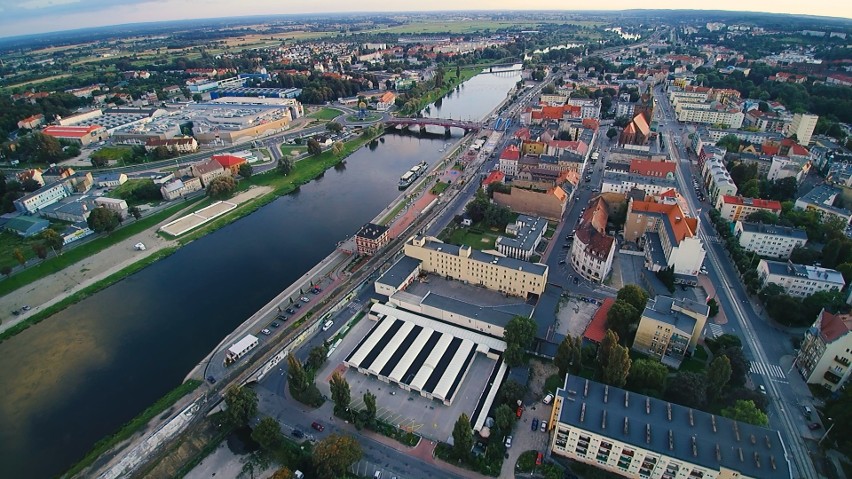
(641, 437)
(821, 198)
(592, 250)
(737, 208)
(825, 355)
(668, 237)
(769, 240)
(802, 126)
(716, 178)
(523, 237)
(799, 280)
(507, 275)
(670, 328)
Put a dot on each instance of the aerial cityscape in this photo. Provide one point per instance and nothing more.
(275, 240)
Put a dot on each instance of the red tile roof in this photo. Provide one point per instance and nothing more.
(494, 177)
(70, 131)
(596, 330)
(652, 168)
(834, 326)
(682, 225)
(228, 161)
(511, 153)
(755, 202)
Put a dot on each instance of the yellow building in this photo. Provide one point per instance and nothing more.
(463, 263)
(638, 436)
(824, 357)
(670, 328)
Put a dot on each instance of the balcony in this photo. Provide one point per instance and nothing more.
(831, 377)
(842, 361)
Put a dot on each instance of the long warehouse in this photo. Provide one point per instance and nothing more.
(418, 353)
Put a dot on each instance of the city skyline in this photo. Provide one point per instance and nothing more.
(46, 16)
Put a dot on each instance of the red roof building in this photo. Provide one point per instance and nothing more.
(596, 330)
(494, 177)
(82, 134)
(230, 162)
(657, 169)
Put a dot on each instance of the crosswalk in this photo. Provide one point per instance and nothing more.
(714, 330)
(768, 370)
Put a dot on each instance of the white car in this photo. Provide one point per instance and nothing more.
(508, 442)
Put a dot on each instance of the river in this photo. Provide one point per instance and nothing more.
(79, 375)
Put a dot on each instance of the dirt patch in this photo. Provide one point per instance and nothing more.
(540, 372)
(574, 316)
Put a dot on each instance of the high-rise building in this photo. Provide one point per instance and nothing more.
(802, 126)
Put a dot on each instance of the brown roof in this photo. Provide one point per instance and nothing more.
(834, 326)
(642, 124)
(652, 168)
(596, 330)
(596, 214)
(682, 226)
(208, 166)
(598, 244)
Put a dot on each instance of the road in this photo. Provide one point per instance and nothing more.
(763, 343)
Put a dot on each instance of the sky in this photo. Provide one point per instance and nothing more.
(21, 17)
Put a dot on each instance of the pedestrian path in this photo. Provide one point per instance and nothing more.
(714, 330)
(768, 370)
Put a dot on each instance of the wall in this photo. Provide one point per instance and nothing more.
(531, 203)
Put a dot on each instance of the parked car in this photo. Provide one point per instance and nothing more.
(298, 305)
(298, 433)
(538, 459)
(543, 425)
(211, 379)
(291, 311)
(762, 389)
(304, 299)
(274, 324)
(319, 427)
(549, 397)
(534, 424)
(266, 331)
(814, 425)
(508, 442)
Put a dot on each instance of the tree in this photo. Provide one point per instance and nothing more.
(611, 133)
(241, 405)
(221, 187)
(648, 376)
(634, 295)
(135, 212)
(511, 392)
(253, 463)
(763, 216)
(518, 334)
(52, 239)
(370, 407)
(246, 170)
(740, 365)
(314, 147)
(283, 473)
(6, 270)
(285, 166)
(334, 127)
(688, 389)
(267, 433)
(714, 307)
(337, 148)
(462, 437)
(751, 188)
(746, 411)
(569, 357)
(621, 317)
(334, 455)
(730, 143)
(103, 220)
(298, 377)
(29, 185)
(317, 357)
(504, 418)
(19, 256)
(40, 250)
(340, 393)
(718, 375)
(723, 342)
(615, 365)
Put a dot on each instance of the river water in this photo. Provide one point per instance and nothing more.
(79, 375)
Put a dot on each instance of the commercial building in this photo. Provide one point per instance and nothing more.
(641, 437)
(802, 126)
(824, 357)
(179, 187)
(526, 233)
(73, 209)
(622, 183)
(592, 250)
(769, 240)
(371, 238)
(737, 208)
(44, 196)
(507, 275)
(26, 226)
(821, 198)
(83, 135)
(797, 279)
(668, 237)
(241, 347)
(670, 328)
(386, 101)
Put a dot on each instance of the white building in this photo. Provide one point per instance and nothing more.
(668, 236)
(716, 178)
(803, 126)
(622, 183)
(592, 250)
(526, 233)
(712, 113)
(799, 280)
(769, 240)
(822, 199)
(824, 356)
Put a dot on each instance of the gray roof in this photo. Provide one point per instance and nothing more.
(823, 196)
(371, 231)
(476, 255)
(774, 230)
(615, 177)
(662, 309)
(496, 315)
(73, 205)
(654, 246)
(672, 430)
(814, 273)
(531, 229)
(400, 270)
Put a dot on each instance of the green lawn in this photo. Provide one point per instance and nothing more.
(439, 188)
(115, 153)
(473, 238)
(289, 150)
(326, 114)
(9, 242)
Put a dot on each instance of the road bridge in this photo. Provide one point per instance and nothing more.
(467, 126)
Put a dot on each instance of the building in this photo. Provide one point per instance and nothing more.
(371, 238)
(592, 250)
(75, 232)
(668, 237)
(637, 132)
(113, 204)
(83, 135)
(186, 144)
(824, 356)
(241, 348)
(652, 168)
(230, 162)
(386, 101)
(799, 280)
(34, 174)
(179, 187)
(31, 122)
(821, 198)
(737, 208)
(622, 183)
(802, 126)
(783, 167)
(208, 171)
(670, 328)
(548, 204)
(596, 330)
(73, 209)
(523, 237)
(638, 436)
(715, 176)
(507, 275)
(769, 240)
(111, 180)
(44, 196)
(710, 113)
(26, 226)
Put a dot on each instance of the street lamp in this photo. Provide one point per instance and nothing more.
(826, 432)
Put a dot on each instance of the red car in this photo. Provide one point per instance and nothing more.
(319, 427)
(520, 411)
(538, 459)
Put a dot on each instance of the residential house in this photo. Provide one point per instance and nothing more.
(26, 226)
(769, 240)
(509, 160)
(824, 356)
(523, 237)
(185, 144)
(208, 170)
(670, 328)
(114, 204)
(180, 187)
(668, 237)
(33, 174)
(230, 162)
(737, 208)
(111, 180)
(75, 232)
(371, 238)
(799, 280)
(386, 101)
(592, 250)
(31, 122)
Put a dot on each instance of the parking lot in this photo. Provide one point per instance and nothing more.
(574, 316)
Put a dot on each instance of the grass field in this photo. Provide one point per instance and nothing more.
(114, 153)
(292, 150)
(473, 238)
(9, 242)
(326, 114)
(439, 188)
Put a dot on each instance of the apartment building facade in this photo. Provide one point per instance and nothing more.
(668, 236)
(592, 250)
(737, 208)
(799, 280)
(769, 240)
(670, 328)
